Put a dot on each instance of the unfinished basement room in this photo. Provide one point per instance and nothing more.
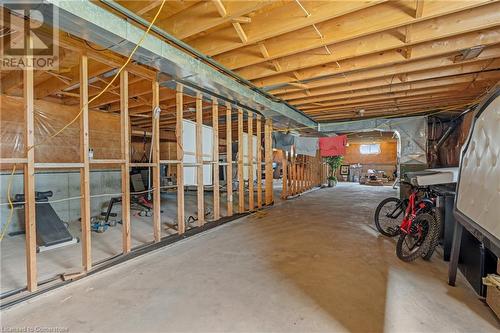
(250, 166)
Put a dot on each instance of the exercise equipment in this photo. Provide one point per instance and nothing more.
(51, 232)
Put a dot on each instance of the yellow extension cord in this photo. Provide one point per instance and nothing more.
(11, 205)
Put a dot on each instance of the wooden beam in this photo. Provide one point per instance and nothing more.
(125, 167)
(351, 28)
(149, 7)
(382, 76)
(85, 171)
(419, 8)
(54, 84)
(356, 57)
(391, 89)
(317, 67)
(285, 18)
(215, 158)
(229, 160)
(259, 161)
(11, 80)
(452, 88)
(269, 160)
(241, 19)
(156, 161)
(251, 202)
(220, 7)
(29, 175)
(241, 181)
(241, 33)
(208, 17)
(264, 51)
(181, 225)
(397, 110)
(199, 160)
(276, 65)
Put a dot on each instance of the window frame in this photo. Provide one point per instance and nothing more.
(373, 148)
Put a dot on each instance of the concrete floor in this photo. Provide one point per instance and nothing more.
(314, 263)
(104, 245)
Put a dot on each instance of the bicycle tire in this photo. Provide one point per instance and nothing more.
(421, 244)
(389, 232)
(427, 255)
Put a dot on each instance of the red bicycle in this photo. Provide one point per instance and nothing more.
(420, 227)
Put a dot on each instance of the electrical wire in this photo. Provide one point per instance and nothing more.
(141, 40)
(11, 205)
(103, 49)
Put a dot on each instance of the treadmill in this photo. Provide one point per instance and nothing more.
(51, 232)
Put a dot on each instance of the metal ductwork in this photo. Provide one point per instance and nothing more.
(412, 132)
(95, 24)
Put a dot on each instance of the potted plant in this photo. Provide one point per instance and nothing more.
(334, 162)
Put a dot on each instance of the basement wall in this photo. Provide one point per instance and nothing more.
(64, 184)
(386, 160)
(50, 117)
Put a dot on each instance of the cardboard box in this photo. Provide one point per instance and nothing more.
(493, 299)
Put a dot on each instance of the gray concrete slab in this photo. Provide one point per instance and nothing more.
(314, 263)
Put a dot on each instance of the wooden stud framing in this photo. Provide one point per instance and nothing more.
(181, 226)
(259, 161)
(292, 174)
(29, 176)
(251, 203)
(215, 165)
(269, 161)
(85, 171)
(125, 167)
(199, 159)
(241, 181)
(284, 191)
(229, 160)
(156, 161)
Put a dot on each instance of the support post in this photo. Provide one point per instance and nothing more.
(199, 159)
(229, 160)
(125, 167)
(284, 165)
(251, 203)
(29, 175)
(181, 226)
(455, 253)
(215, 165)
(241, 181)
(85, 172)
(259, 161)
(156, 161)
(269, 161)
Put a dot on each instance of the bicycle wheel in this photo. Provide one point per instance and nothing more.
(387, 216)
(426, 255)
(412, 245)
